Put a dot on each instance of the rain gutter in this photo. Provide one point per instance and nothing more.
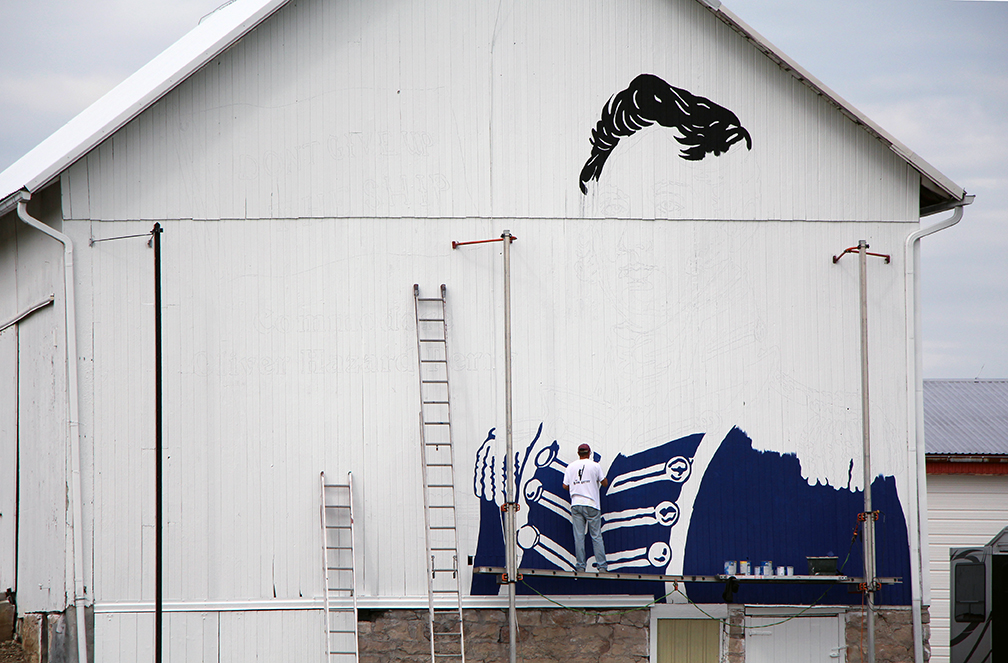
(920, 588)
(73, 431)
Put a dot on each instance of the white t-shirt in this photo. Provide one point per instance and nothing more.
(583, 477)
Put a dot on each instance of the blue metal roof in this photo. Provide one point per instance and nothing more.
(966, 417)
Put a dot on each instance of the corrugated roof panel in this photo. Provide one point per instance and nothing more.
(966, 416)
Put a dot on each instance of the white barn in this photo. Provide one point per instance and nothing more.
(678, 189)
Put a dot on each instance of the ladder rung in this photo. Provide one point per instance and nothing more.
(429, 299)
(430, 319)
(440, 464)
(338, 548)
(434, 402)
(442, 527)
(440, 485)
(340, 568)
(432, 340)
(433, 381)
(441, 506)
(437, 423)
(433, 361)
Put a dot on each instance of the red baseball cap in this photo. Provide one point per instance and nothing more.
(584, 447)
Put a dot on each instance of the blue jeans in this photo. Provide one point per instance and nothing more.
(581, 515)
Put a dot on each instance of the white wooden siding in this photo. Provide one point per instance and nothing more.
(212, 637)
(289, 348)
(964, 511)
(8, 456)
(434, 109)
(34, 382)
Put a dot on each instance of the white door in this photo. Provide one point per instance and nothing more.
(817, 639)
(8, 456)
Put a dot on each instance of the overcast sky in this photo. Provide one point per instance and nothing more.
(933, 73)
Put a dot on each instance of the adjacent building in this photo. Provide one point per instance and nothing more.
(967, 491)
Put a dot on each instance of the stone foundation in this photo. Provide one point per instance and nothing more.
(544, 636)
(552, 635)
(52, 637)
(893, 635)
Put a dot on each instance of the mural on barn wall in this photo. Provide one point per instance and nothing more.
(740, 504)
(688, 505)
(706, 127)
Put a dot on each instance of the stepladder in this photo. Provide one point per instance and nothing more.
(444, 589)
(338, 568)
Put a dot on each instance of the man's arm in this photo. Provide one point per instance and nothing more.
(604, 483)
(566, 487)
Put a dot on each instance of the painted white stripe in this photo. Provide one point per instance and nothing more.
(626, 554)
(636, 478)
(633, 522)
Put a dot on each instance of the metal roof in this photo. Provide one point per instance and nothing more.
(225, 26)
(215, 33)
(966, 417)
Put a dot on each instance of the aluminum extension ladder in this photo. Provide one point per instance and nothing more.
(444, 590)
(338, 564)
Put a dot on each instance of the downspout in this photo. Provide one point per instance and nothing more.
(76, 500)
(920, 587)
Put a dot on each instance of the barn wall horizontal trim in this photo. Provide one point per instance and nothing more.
(369, 603)
(420, 603)
(473, 217)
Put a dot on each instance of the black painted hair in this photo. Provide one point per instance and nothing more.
(706, 128)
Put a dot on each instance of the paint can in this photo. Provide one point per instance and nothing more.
(780, 570)
(790, 570)
(743, 567)
(767, 569)
(730, 567)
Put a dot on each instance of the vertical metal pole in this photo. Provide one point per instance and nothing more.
(509, 464)
(868, 538)
(158, 561)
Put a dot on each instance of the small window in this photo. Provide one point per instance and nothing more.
(688, 641)
(970, 592)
